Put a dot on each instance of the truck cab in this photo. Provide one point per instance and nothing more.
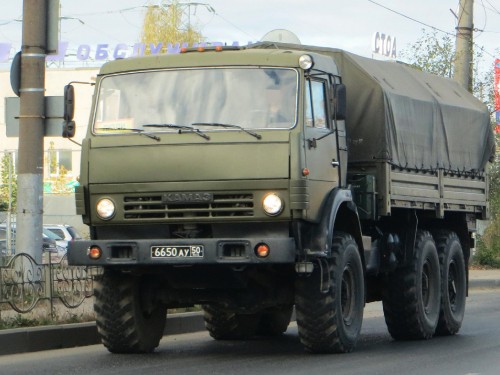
(203, 174)
(202, 146)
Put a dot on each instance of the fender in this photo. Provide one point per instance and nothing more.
(317, 238)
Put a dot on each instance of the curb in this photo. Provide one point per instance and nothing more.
(33, 339)
(484, 284)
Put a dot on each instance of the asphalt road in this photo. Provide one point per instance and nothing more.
(476, 350)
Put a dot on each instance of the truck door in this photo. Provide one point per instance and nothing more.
(321, 155)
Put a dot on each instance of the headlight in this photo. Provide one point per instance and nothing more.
(105, 208)
(306, 62)
(272, 204)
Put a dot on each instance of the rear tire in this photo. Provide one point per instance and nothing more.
(124, 323)
(453, 283)
(330, 322)
(411, 298)
(222, 324)
(275, 321)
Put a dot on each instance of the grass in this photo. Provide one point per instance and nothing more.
(22, 321)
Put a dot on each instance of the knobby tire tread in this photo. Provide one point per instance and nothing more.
(401, 299)
(116, 317)
(449, 322)
(275, 321)
(227, 325)
(316, 312)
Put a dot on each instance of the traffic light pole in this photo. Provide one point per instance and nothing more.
(31, 130)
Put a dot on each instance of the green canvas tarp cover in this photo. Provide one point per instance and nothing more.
(412, 119)
(409, 118)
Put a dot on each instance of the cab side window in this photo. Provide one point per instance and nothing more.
(315, 104)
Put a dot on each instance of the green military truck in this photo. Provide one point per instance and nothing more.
(255, 180)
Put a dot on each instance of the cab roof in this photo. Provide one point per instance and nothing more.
(210, 58)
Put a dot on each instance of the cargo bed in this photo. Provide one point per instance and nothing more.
(380, 188)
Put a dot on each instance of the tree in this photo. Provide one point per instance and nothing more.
(57, 179)
(431, 54)
(8, 179)
(437, 55)
(488, 246)
(166, 23)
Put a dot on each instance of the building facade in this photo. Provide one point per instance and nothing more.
(61, 155)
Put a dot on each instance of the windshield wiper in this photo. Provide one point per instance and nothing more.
(231, 126)
(137, 131)
(189, 129)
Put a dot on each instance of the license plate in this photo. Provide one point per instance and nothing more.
(193, 251)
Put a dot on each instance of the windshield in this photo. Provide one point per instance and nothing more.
(252, 98)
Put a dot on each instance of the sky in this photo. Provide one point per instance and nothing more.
(345, 24)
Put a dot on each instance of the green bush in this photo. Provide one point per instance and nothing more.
(488, 251)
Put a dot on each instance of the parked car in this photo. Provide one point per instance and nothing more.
(51, 242)
(61, 244)
(66, 232)
(3, 241)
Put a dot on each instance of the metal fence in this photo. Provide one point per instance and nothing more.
(24, 283)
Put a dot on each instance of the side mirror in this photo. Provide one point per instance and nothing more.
(340, 101)
(69, 102)
(69, 112)
(69, 129)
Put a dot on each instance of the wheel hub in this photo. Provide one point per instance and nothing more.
(452, 287)
(347, 296)
(426, 292)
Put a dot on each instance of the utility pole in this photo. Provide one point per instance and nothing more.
(31, 129)
(463, 46)
(9, 212)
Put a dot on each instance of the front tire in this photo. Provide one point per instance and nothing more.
(330, 321)
(453, 283)
(411, 298)
(125, 322)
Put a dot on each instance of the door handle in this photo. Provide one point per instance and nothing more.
(335, 163)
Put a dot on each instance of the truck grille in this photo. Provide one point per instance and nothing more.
(154, 207)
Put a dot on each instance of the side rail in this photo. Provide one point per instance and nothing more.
(24, 283)
(438, 191)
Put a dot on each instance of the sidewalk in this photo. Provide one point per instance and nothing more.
(484, 278)
(24, 340)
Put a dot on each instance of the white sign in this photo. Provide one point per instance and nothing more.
(384, 44)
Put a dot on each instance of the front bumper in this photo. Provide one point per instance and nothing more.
(215, 251)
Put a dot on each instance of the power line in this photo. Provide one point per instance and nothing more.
(233, 25)
(410, 18)
(495, 10)
(432, 27)
(124, 10)
(484, 24)
(114, 11)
